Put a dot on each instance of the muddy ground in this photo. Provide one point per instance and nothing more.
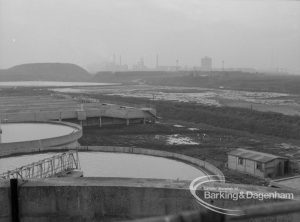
(207, 143)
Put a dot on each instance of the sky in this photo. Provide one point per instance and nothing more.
(261, 34)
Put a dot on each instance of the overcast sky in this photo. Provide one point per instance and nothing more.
(260, 34)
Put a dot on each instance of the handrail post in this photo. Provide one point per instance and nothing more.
(14, 200)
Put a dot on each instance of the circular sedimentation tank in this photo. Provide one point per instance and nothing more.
(32, 137)
(20, 132)
(27, 137)
(121, 165)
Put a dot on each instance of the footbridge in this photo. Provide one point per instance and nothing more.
(56, 165)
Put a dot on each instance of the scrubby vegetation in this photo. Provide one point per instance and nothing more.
(233, 80)
(267, 123)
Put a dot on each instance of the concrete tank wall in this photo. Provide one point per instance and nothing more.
(201, 164)
(93, 199)
(111, 111)
(66, 141)
(98, 199)
(73, 144)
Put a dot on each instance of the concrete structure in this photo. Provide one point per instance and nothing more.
(287, 183)
(109, 199)
(197, 163)
(281, 211)
(200, 164)
(257, 163)
(43, 108)
(67, 141)
(206, 64)
(93, 199)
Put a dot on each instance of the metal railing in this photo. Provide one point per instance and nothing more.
(49, 167)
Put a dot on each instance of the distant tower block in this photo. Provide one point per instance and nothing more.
(223, 65)
(120, 60)
(157, 61)
(206, 64)
(114, 59)
(177, 64)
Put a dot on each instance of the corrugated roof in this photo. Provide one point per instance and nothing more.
(254, 155)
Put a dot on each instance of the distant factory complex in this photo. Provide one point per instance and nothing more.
(205, 64)
(140, 65)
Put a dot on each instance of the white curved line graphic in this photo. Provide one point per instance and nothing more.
(193, 188)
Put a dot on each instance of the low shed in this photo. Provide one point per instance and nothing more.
(257, 163)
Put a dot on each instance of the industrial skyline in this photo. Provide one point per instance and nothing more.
(205, 63)
(36, 31)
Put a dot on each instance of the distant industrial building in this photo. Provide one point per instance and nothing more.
(116, 67)
(112, 67)
(258, 164)
(140, 66)
(206, 64)
(166, 68)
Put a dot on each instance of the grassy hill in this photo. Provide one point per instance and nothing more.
(45, 72)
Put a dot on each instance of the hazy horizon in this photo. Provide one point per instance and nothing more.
(251, 34)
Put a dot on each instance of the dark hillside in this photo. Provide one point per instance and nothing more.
(45, 72)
